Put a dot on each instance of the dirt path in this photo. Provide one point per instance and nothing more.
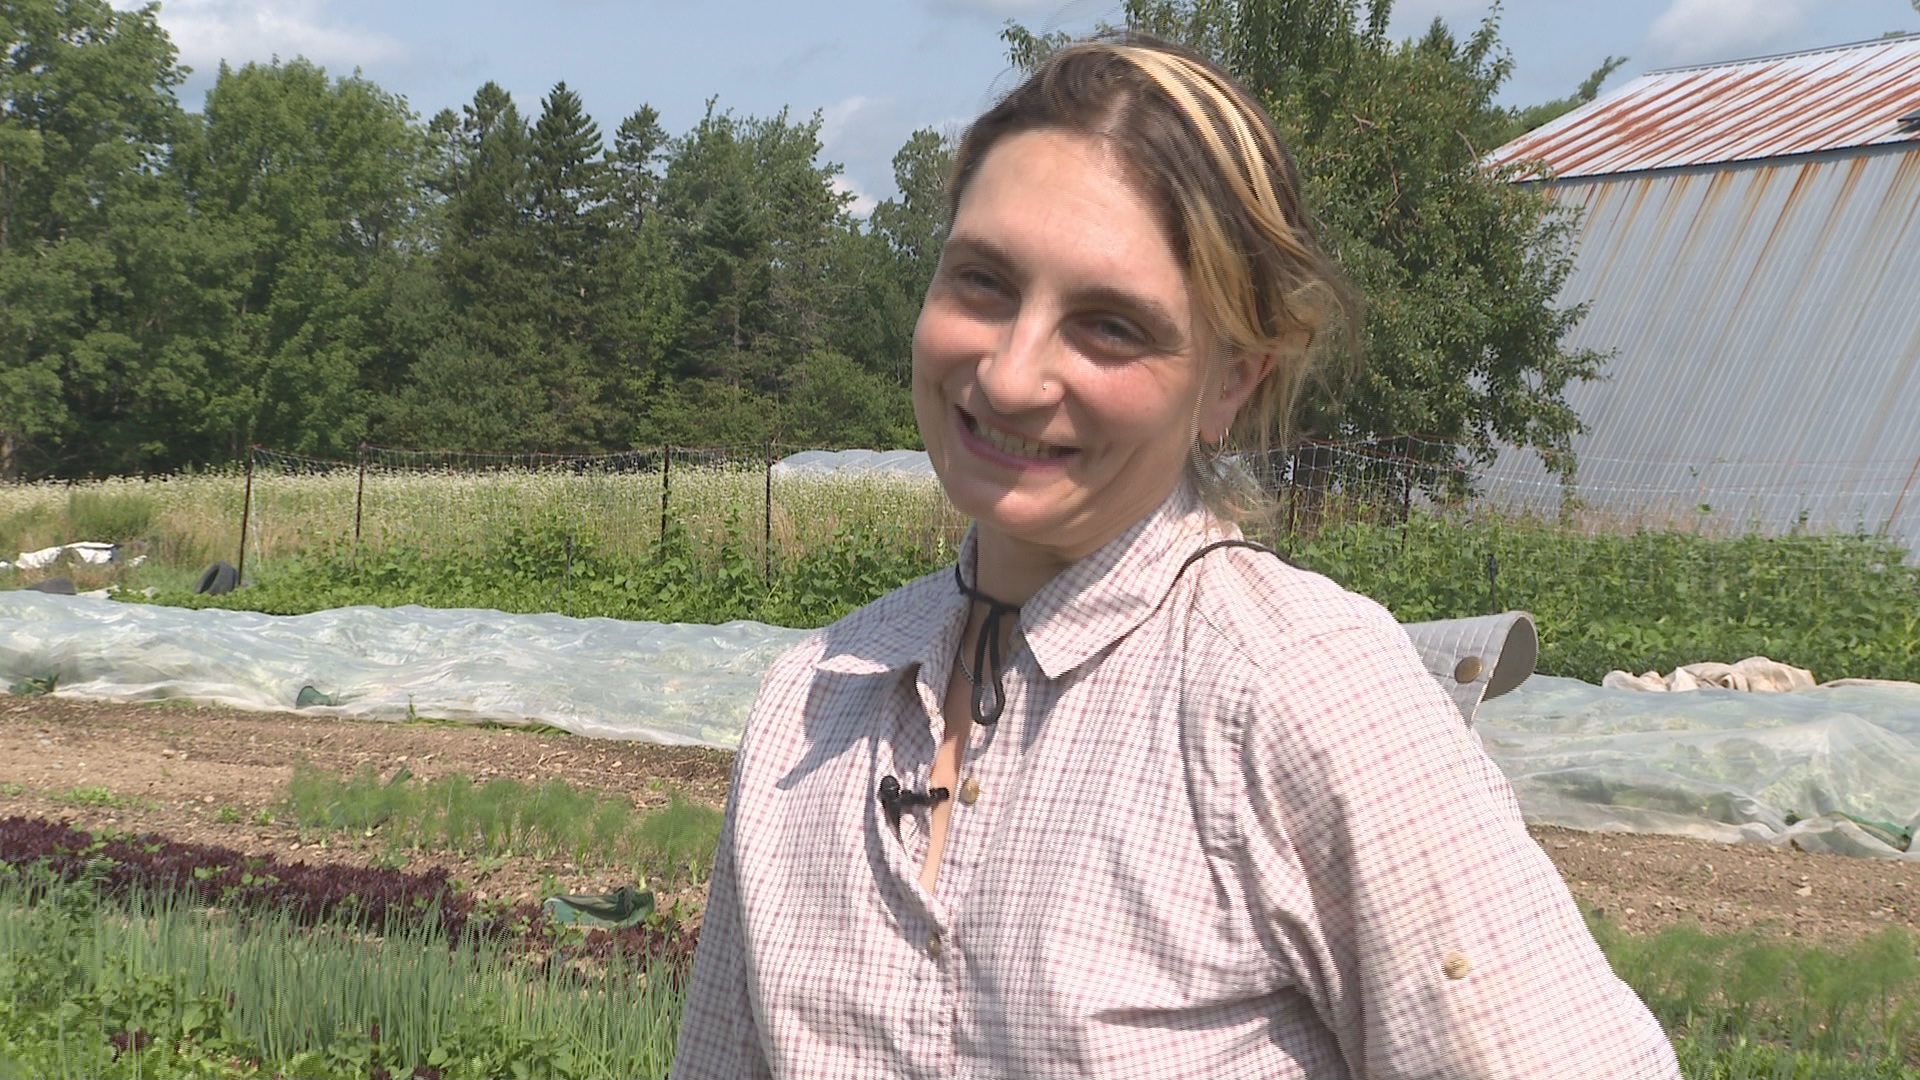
(174, 770)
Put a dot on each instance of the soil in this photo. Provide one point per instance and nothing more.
(177, 770)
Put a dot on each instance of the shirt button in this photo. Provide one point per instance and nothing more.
(1467, 670)
(933, 945)
(1456, 965)
(969, 791)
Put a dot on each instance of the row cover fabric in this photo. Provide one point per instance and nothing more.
(1716, 764)
(603, 678)
(907, 462)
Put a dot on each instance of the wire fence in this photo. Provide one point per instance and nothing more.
(440, 501)
(776, 499)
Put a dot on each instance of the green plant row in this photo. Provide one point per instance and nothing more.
(155, 989)
(548, 569)
(1740, 1007)
(505, 817)
(1839, 605)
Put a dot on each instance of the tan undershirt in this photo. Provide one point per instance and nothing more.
(958, 712)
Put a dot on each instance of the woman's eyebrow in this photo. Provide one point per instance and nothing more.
(1156, 319)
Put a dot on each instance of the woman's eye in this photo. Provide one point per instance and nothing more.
(977, 279)
(1112, 331)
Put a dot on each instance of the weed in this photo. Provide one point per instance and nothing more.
(34, 687)
(228, 816)
(11, 791)
(91, 795)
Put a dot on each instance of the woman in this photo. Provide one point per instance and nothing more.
(1112, 797)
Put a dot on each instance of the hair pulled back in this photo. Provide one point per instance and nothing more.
(1206, 159)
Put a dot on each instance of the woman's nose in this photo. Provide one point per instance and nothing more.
(1022, 372)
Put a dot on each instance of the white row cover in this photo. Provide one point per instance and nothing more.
(603, 678)
(1718, 764)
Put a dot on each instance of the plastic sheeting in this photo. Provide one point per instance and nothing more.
(907, 462)
(597, 677)
(1716, 764)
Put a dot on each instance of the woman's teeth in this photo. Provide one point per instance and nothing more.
(1015, 445)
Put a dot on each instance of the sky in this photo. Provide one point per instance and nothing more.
(877, 70)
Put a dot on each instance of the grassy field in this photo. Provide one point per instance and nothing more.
(186, 522)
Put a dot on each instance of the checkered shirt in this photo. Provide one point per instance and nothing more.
(1227, 826)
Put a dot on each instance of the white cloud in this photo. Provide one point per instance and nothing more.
(237, 31)
(862, 204)
(1702, 31)
(835, 117)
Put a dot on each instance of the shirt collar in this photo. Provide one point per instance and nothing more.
(1087, 607)
(1098, 600)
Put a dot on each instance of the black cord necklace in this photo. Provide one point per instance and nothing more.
(987, 682)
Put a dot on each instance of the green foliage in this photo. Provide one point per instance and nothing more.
(32, 686)
(150, 989)
(1839, 605)
(502, 817)
(111, 518)
(552, 569)
(1739, 1007)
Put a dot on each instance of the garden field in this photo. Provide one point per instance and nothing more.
(375, 844)
(1743, 950)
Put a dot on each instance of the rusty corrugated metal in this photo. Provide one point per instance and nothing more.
(1841, 98)
(1765, 321)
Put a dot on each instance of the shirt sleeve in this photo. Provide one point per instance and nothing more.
(718, 1037)
(1391, 873)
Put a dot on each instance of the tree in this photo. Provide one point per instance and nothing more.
(321, 181)
(486, 260)
(762, 245)
(100, 277)
(1460, 268)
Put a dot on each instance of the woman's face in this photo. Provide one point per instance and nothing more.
(1058, 359)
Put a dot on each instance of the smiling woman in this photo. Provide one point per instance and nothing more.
(1189, 811)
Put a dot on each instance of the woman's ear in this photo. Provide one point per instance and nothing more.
(1239, 378)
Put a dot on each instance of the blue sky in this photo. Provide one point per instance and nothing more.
(878, 69)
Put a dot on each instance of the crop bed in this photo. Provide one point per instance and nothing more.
(215, 776)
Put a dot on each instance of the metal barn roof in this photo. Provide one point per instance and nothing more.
(1846, 97)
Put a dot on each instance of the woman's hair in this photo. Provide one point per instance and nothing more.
(1204, 155)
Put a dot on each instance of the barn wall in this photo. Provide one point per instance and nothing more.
(1765, 320)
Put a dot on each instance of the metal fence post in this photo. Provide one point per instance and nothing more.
(359, 494)
(766, 531)
(666, 484)
(246, 510)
